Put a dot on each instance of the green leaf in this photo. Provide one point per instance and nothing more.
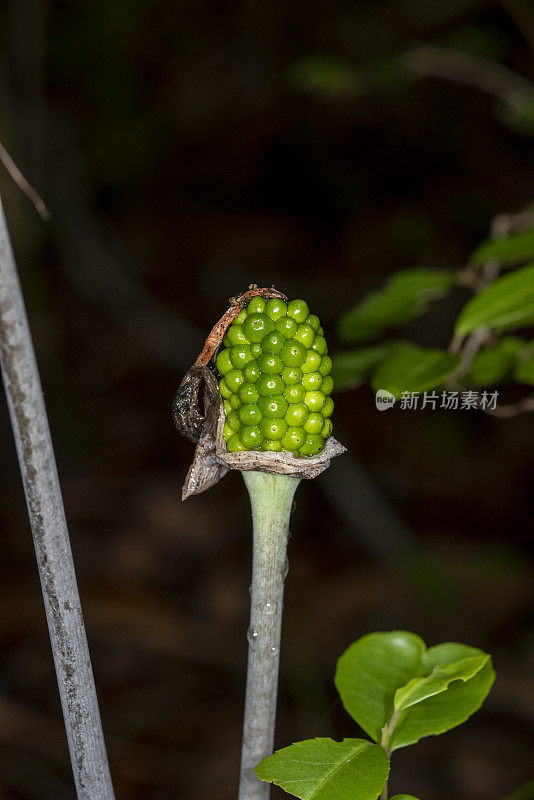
(326, 76)
(518, 112)
(372, 671)
(491, 366)
(369, 673)
(321, 769)
(404, 797)
(450, 708)
(404, 297)
(512, 345)
(509, 302)
(517, 247)
(414, 369)
(352, 368)
(525, 792)
(524, 372)
(418, 689)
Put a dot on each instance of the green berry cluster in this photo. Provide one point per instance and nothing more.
(275, 379)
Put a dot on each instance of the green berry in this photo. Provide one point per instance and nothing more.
(319, 345)
(286, 326)
(312, 381)
(295, 393)
(251, 372)
(256, 326)
(314, 423)
(236, 335)
(313, 321)
(276, 308)
(248, 394)
(270, 364)
(273, 407)
(312, 362)
(227, 430)
(269, 385)
(305, 335)
(327, 429)
(252, 437)
(327, 385)
(296, 415)
(224, 362)
(224, 389)
(256, 350)
(235, 402)
(273, 342)
(293, 354)
(234, 444)
(227, 406)
(233, 421)
(326, 365)
(250, 415)
(256, 306)
(315, 400)
(313, 445)
(241, 317)
(272, 445)
(293, 440)
(273, 428)
(240, 355)
(328, 407)
(226, 341)
(298, 309)
(234, 380)
(291, 375)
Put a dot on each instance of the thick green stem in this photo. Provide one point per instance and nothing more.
(271, 498)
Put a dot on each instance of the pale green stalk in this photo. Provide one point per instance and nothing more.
(387, 732)
(271, 498)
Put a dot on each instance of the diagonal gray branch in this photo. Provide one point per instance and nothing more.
(50, 536)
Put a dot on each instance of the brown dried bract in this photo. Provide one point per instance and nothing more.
(198, 415)
(218, 331)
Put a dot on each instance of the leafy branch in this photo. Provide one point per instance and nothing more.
(481, 353)
(398, 691)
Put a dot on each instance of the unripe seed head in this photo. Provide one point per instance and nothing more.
(275, 379)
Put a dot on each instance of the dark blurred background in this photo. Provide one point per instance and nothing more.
(186, 150)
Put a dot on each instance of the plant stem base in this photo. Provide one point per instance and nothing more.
(271, 498)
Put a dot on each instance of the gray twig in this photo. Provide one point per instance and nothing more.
(513, 409)
(457, 66)
(23, 184)
(50, 536)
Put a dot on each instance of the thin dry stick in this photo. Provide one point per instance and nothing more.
(513, 409)
(50, 536)
(433, 61)
(23, 184)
